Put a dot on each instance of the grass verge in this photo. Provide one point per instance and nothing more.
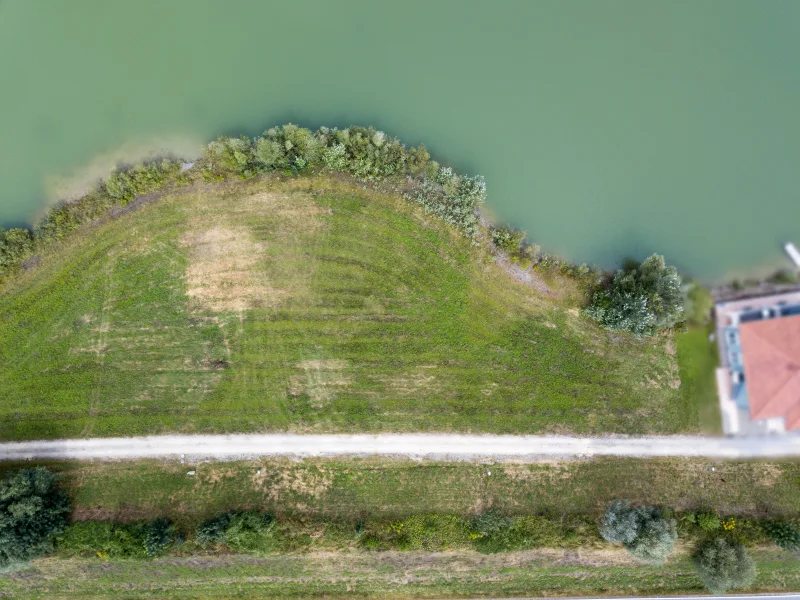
(335, 489)
(378, 575)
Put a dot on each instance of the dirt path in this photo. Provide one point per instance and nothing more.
(448, 447)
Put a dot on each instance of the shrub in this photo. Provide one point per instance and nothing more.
(125, 183)
(251, 531)
(229, 155)
(453, 198)
(335, 157)
(783, 276)
(418, 159)
(722, 565)
(490, 522)
(640, 298)
(158, 536)
(212, 531)
(646, 532)
(270, 154)
(708, 520)
(15, 246)
(507, 239)
(698, 305)
(493, 532)
(783, 534)
(243, 531)
(32, 511)
(83, 538)
(288, 146)
(370, 153)
(116, 540)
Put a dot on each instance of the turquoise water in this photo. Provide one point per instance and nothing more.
(603, 128)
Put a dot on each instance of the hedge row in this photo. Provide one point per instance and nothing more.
(491, 532)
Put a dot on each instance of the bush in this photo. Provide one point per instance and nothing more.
(492, 532)
(783, 534)
(708, 521)
(229, 155)
(244, 531)
(453, 198)
(370, 153)
(699, 303)
(32, 511)
(507, 239)
(416, 532)
(117, 540)
(125, 183)
(251, 531)
(646, 532)
(103, 538)
(722, 565)
(15, 246)
(335, 157)
(212, 531)
(418, 159)
(288, 146)
(158, 536)
(490, 523)
(640, 298)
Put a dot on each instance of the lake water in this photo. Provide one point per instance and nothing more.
(603, 128)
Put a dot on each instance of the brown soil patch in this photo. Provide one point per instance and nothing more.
(291, 483)
(221, 275)
(421, 381)
(321, 380)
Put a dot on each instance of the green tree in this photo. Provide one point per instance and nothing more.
(723, 565)
(639, 298)
(645, 531)
(32, 511)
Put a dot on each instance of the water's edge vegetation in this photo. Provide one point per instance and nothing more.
(640, 298)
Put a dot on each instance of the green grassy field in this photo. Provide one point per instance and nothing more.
(349, 490)
(378, 575)
(309, 305)
(698, 357)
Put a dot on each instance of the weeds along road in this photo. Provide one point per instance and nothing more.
(448, 447)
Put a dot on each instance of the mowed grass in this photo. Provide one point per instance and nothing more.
(350, 490)
(380, 575)
(698, 358)
(309, 305)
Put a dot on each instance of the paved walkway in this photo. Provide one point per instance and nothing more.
(432, 446)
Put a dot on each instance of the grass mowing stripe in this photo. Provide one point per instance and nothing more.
(309, 305)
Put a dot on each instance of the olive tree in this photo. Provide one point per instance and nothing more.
(723, 564)
(645, 531)
(32, 511)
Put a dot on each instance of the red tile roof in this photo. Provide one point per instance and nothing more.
(771, 355)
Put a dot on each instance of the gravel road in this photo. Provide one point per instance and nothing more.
(451, 447)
